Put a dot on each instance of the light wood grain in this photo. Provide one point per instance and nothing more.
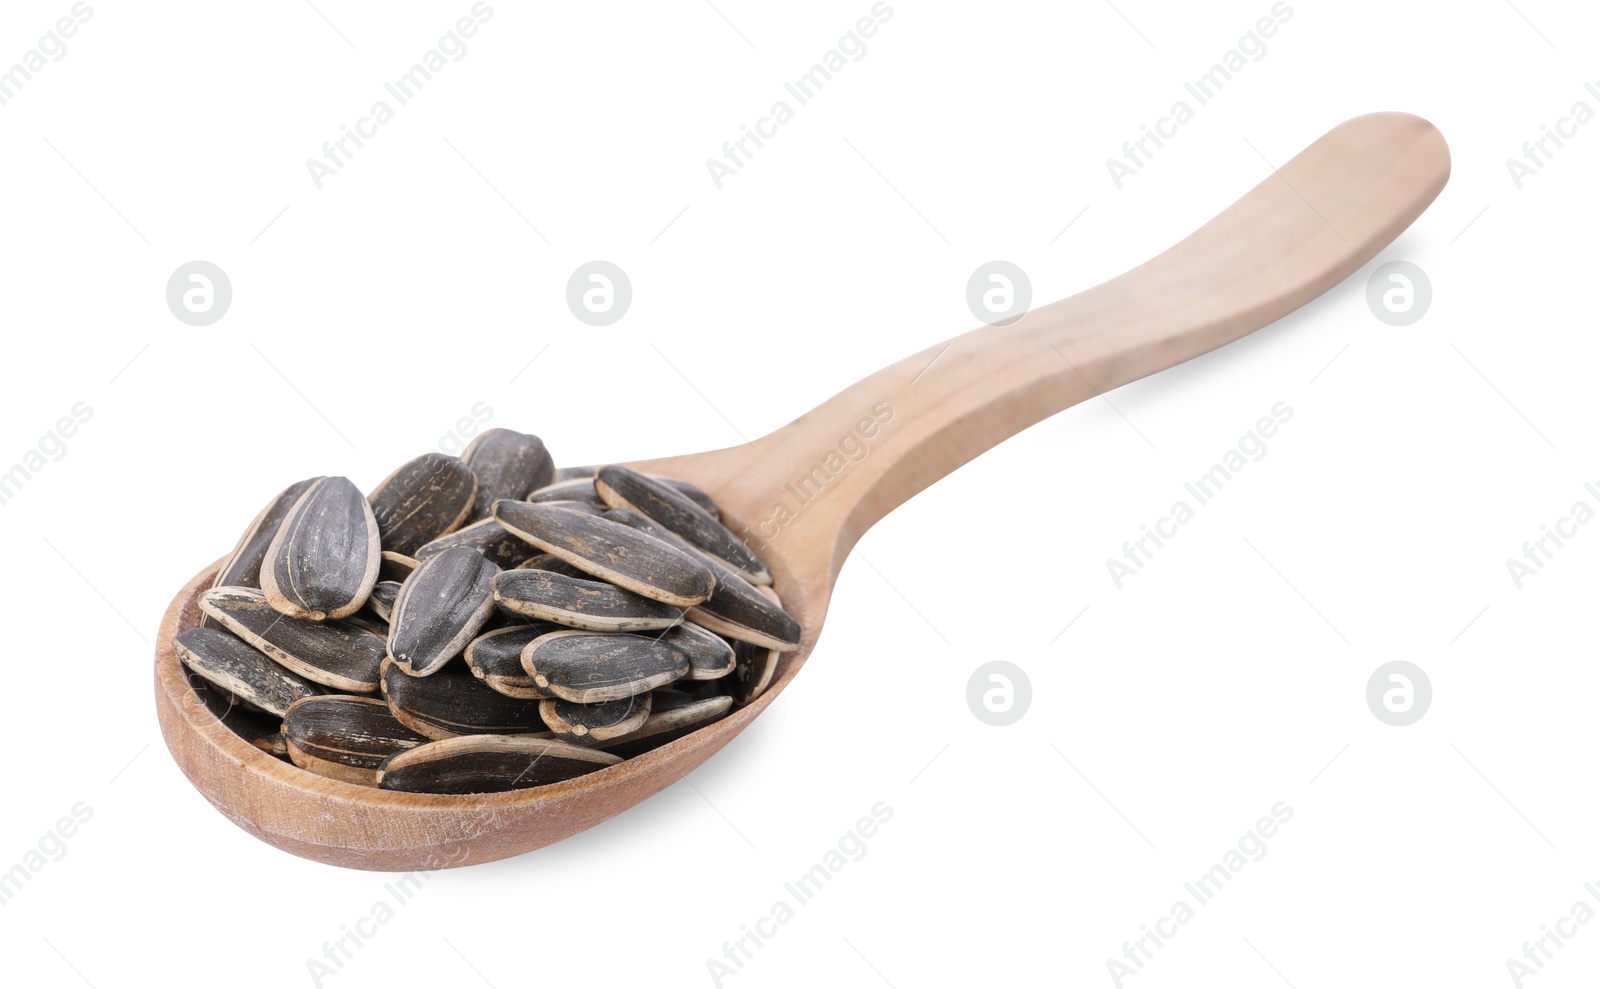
(1302, 230)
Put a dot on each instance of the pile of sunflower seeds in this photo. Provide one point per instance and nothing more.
(483, 623)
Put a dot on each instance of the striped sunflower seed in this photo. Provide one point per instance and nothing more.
(578, 602)
(489, 764)
(753, 674)
(243, 568)
(448, 704)
(486, 536)
(441, 607)
(590, 667)
(710, 655)
(396, 566)
(572, 474)
(337, 654)
(673, 714)
(613, 552)
(241, 670)
(544, 561)
(581, 507)
(620, 487)
(693, 493)
(591, 724)
(422, 500)
(495, 657)
(344, 737)
(737, 609)
(508, 464)
(381, 600)
(577, 489)
(323, 560)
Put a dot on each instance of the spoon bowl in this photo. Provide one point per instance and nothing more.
(802, 508)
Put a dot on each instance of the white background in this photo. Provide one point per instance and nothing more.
(1227, 676)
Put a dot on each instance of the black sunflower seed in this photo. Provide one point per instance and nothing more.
(486, 536)
(620, 487)
(633, 560)
(489, 764)
(243, 568)
(508, 464)
(589, 667)
(591, 724)
(710, 655)
(396, 566)
(324, 559)
(573, 474)
(577, 489)
(422, 500)
(673, 714)
(239, 669)
(337, 654)
(544, 561)
(578, 602)
(440, 608)
(754, 671)
(495, 657)
(448, 704)
(344, 737)
(693, 493)
(381, 600)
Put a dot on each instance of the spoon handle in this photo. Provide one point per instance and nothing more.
(1300, 232)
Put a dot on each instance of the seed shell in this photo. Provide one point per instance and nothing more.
(633, 560)
(495, 657)
(243, 568)
(337, 654)
(448, 704)
(592, 724)
(324, 559)
(578, 602)
(486, 536)
(756, 667)
(673, 714)
(381, 600)
(423, 499)
(489, 764)
(508, 464)
(710, 655)
(577, 489)
(440, 608)
(344, 737)
(620, 487)
(396, 566)
(589, 667)
(241, 670)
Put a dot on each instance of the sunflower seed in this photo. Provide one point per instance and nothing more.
(422, 500)
(241, 670)
(710, 655)
(343, 737)
(496, 658)
(573, 474)
(544, 561)
(620, 487)
(508, 464)
(612, 551)
(589, 667)
(396, 566)
(381, 600)
(594, 723)
(272, 743)
(673, 714)
(581, 507)
(737, 609)
(693, 493)
(323, 560)
(249, 723)
(486, 536)
(579, 603)
(756, 667)
(489, 764)
(440, 608)
(448, 704)
(243, 568)
(577, 489)
(337, 654)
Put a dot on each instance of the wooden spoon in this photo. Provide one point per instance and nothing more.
(1291, 238)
